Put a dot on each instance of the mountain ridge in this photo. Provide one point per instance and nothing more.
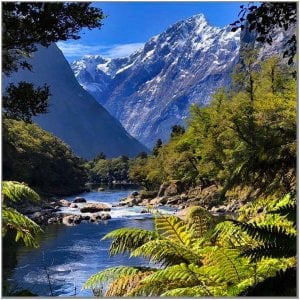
(153, 89)
(74, 115)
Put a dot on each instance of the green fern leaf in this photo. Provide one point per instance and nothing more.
(125, 284)
(128, 239)
(167, 252)
(107, 276)
(196, 291)
(26, 229)
(200, 221)
(16, 191)
(265, 233)
(173, 228)
(272, 250)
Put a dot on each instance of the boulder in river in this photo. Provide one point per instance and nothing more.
(64, 203)
(94, 207)
(79, 200)
(71, 219)
(73, 205)
(135, 193)
(101, 189)
(159, 201)
(105, 216)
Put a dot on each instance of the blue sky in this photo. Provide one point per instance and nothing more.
(129, 25)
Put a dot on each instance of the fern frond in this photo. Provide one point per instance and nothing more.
(123, 285)
(272, 250)
(225, 263)
(174, 229)
(172, 277)
(167, 252)
(16, 191)
(200, 220)
(181, 272)
(265, 233)
(26, 229)
(229, 235)
(107, 276)
(195, 291)
(128, 239)
(288, 210)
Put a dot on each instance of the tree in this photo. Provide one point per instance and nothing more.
(25, 228)
(177, 130)
(265, 18)
(27, 24)
(99, 156)
(23, 101)
(156, 148)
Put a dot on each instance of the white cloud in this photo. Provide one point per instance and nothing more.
(111, 51)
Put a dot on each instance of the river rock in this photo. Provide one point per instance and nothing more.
(135, 193)
(105, 216)
(64, 203)
(174, 200)
(159, 201)
(94, 207)
(73, 205)
(79, 200)
(130, 201)
(144, 211)
(101, 189)
(162, 189)
(71, 219)
(95, 218)
(86, 218)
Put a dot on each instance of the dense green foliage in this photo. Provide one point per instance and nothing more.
(24, 228)
(201, 257)
(108, 171)
(39, 159)
(245, 137)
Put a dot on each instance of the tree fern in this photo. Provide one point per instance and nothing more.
(16, 191)
(124, 285)
(200, 220)
(167, 252)
(174, 229)
(196, 291)
(26, 229)
(225, 263)
(128, 239)
(97, 281)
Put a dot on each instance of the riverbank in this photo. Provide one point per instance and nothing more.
(173, 194)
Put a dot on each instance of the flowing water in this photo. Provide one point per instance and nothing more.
(69, 255)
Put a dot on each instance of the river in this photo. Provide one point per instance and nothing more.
(71, 254)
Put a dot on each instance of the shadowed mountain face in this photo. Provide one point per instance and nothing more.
(74, 115)
(152, 90)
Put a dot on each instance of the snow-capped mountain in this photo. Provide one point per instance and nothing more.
(152, 90)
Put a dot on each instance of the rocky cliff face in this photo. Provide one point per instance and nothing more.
(74, 115)
(152, 90)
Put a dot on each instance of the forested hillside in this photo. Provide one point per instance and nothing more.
(39, 159)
